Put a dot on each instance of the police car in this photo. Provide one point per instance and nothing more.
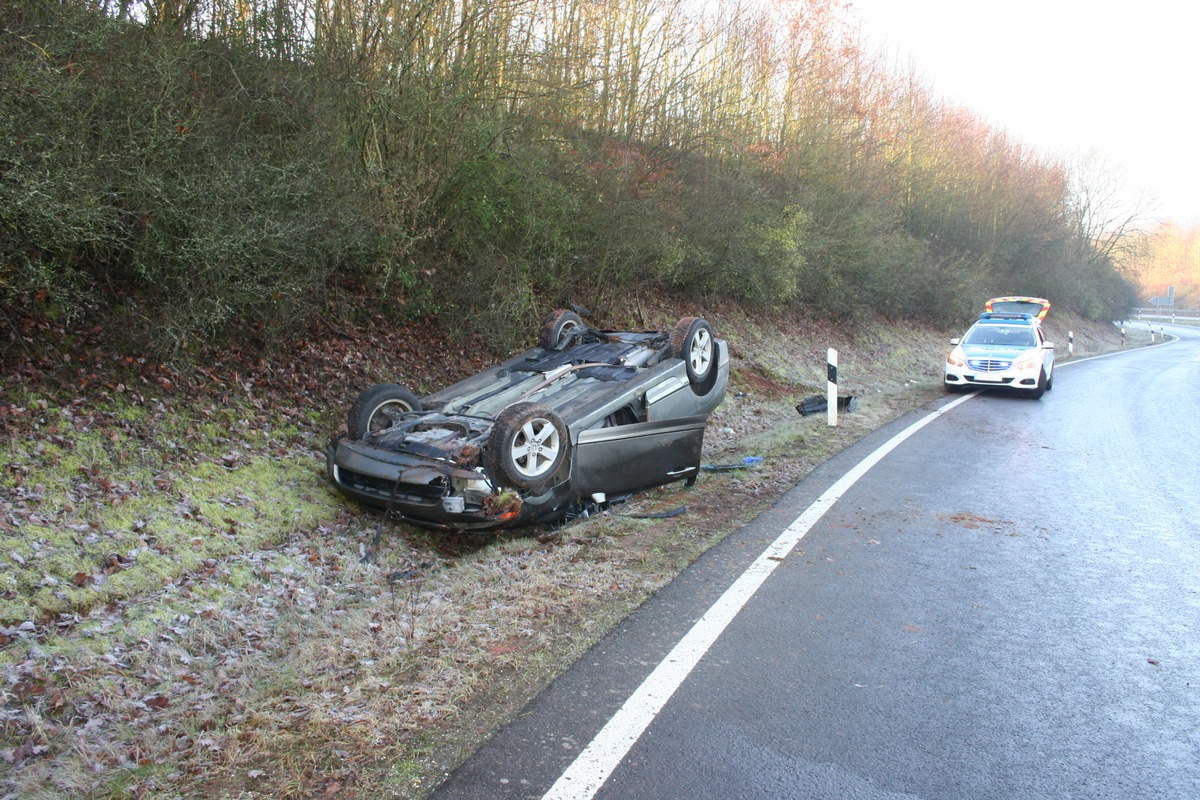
(1005, 349)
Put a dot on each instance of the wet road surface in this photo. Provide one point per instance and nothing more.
(1005, 606)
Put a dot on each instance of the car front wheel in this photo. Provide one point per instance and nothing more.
(528, 444)
(1036, 394)
(378, 408)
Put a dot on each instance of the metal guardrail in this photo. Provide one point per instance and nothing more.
(1165, 313)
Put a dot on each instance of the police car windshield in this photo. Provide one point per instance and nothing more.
(1001, 336)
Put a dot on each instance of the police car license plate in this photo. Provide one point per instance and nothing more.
(986, 377)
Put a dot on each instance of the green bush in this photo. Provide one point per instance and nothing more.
(217, 175)
(146, 173)
(57, 213)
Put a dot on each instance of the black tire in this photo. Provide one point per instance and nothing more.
(692, 340)
(1050, 381)
(1036, 394)
(558, 328)
(952, 388)
(528, 445)
(377, 408)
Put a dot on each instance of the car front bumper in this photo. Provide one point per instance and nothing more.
(1004, 379)
(424, 492)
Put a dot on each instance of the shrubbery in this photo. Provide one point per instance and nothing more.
(198, 185)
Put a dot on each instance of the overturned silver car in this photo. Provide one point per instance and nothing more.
(587, 414)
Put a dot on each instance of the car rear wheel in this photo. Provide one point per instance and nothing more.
(558, 328)
(528, 444)
(378, 408)
(692, 340)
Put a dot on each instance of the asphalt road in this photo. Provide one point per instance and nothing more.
(1004, 606)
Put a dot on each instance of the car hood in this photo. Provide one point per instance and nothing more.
(993, 351)
(452, 455)
(1036, 307)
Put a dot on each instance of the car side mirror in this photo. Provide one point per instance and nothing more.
(954, 341)
(1048, 345)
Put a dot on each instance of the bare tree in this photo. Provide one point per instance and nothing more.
(1109, 217)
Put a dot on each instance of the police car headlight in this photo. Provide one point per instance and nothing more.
(1028, 362)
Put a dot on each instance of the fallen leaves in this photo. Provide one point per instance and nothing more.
(156, 701)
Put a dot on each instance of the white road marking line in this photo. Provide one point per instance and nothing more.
(584, 777)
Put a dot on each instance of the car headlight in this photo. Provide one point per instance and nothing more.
(956, 357)
(1028, 361)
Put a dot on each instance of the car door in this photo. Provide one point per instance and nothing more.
(645, 450)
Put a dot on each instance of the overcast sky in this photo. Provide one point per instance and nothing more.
(1068, 77)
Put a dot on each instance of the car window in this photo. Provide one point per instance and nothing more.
(626, 415)
(1001, 335)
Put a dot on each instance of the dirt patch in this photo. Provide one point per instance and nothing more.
(968, 520)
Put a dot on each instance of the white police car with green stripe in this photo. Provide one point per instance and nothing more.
(1004, 350)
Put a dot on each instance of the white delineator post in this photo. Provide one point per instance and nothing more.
(1071, 341)
(831, 385)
